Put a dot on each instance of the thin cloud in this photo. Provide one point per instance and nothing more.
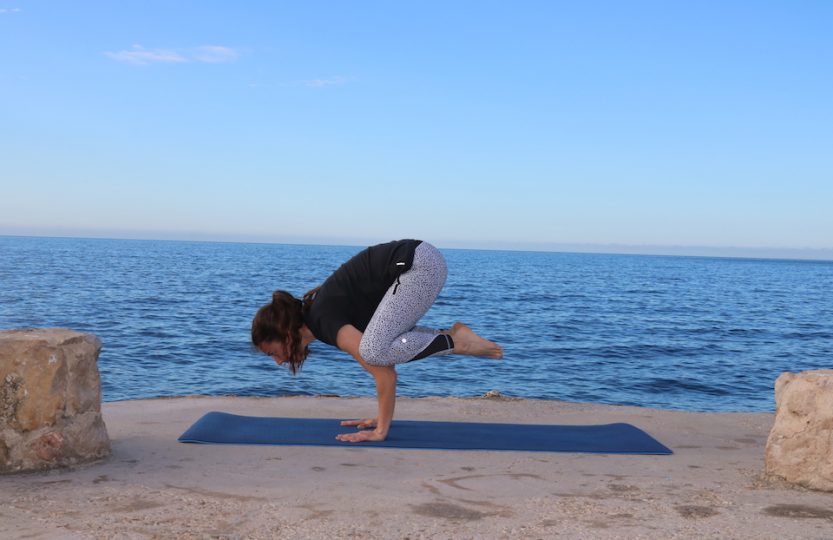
(206, 54)
(10, 10)
(141, 56)
(215, 54)
(324, 83)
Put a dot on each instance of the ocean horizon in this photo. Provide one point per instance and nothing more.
(731, 252)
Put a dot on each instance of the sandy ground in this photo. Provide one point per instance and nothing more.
(154, 487)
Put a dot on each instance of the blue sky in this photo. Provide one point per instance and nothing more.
(534, 125)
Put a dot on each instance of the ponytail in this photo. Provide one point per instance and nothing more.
(309, 298)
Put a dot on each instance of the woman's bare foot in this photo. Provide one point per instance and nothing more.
(468, 343)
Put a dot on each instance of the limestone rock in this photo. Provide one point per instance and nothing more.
(50, 400)
(800, 445)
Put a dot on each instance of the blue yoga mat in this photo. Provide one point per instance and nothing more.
(224, 428)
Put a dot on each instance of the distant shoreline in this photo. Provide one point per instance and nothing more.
(820, 255)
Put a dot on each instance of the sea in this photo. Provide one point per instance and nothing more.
(684, 333)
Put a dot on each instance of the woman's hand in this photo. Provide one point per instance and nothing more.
(367, 433)
(361, 436)
(367, 423)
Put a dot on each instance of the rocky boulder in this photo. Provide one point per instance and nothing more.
(800, 445)
(50, 400)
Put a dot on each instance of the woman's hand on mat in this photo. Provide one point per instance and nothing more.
(367, 423)
(361, 436)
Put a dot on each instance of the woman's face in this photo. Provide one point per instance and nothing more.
(277, 350)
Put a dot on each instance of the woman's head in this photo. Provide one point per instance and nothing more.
(276, 330)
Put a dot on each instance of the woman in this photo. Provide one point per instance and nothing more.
(369, 308)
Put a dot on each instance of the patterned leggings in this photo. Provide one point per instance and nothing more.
(392, 335)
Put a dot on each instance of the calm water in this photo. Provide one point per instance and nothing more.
(670, 332)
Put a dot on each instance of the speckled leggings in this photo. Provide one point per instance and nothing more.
(392, 336)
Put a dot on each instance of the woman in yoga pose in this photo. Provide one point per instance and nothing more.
(369, 308)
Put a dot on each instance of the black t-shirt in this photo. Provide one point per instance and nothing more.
(353, 292)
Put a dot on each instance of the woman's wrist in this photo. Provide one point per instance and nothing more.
(382, 429)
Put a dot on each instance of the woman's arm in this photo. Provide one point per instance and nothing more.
(348, 340)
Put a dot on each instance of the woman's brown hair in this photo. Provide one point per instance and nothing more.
(281, 320)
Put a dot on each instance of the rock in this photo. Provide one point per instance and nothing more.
(50, 400)
(497, 396)
(800, 445)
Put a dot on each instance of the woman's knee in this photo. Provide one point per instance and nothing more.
(373, 355)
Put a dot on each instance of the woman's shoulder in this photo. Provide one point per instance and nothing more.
(327, 313)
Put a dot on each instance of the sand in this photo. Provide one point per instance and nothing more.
(154, 487)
